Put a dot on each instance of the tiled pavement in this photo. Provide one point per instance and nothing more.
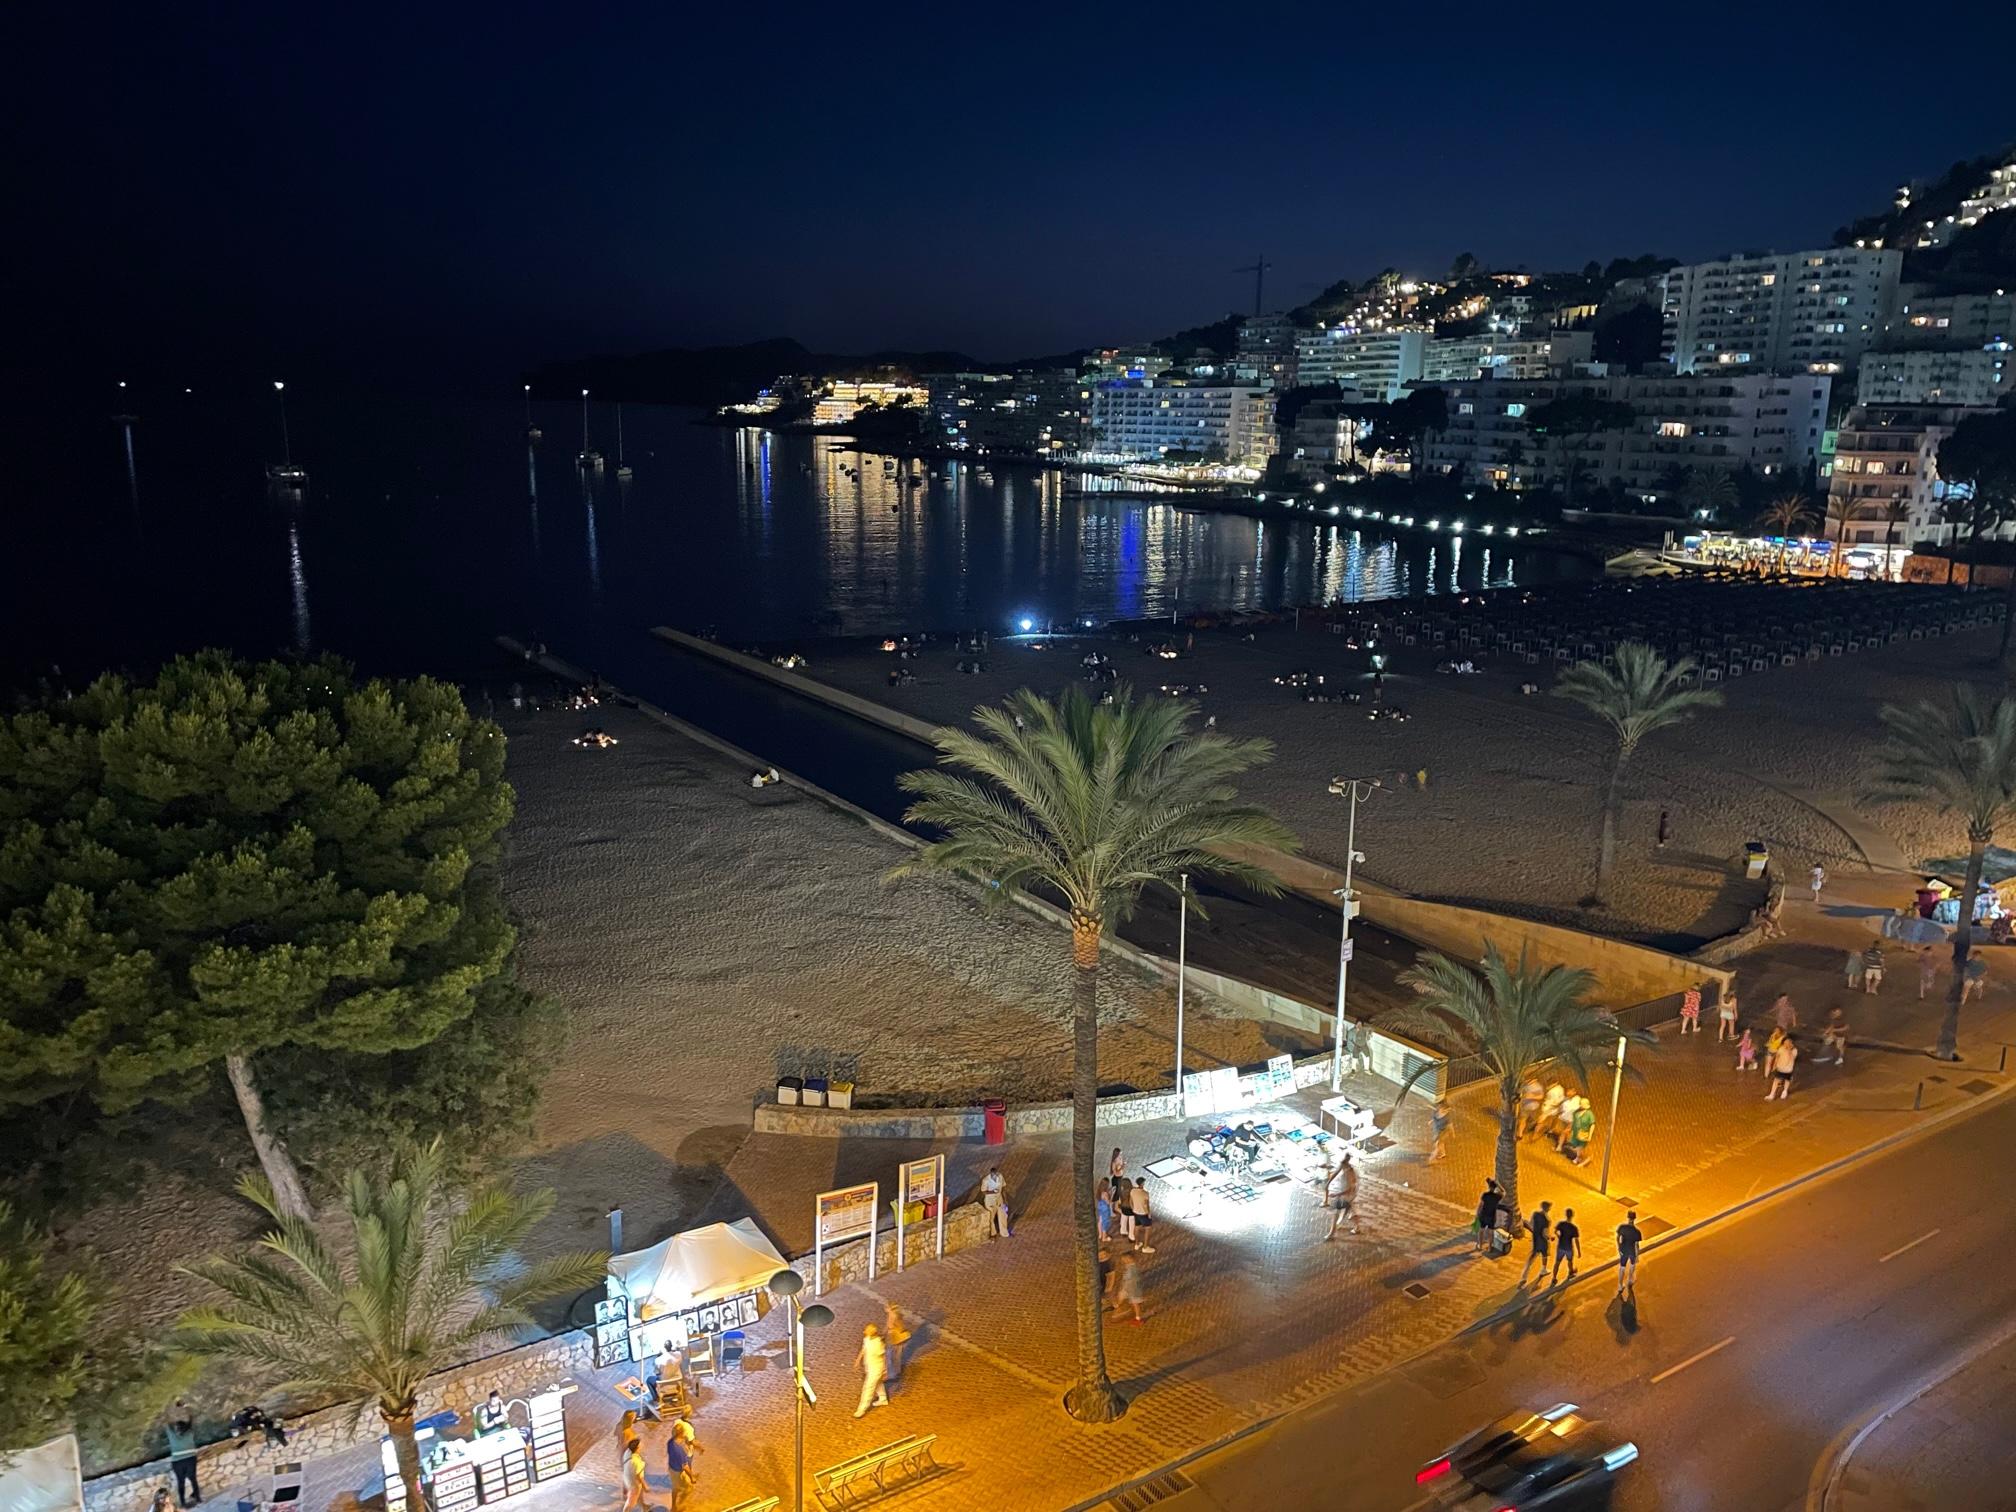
(1251, 1317)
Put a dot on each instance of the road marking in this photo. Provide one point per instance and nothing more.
(1903, 1247)
(1693, 1359)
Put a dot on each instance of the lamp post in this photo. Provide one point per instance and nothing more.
(1182, 966)
(286, 445)
(785, 1286)
(1347, 906)
(1610, 1140)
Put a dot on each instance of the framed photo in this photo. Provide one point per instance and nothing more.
(710, 1320)
(749, 1311)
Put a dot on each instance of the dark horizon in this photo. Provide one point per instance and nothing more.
(457, 196)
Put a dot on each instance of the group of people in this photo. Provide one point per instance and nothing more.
(1556, 1242)
(1556, 1113)
(1125, 1215)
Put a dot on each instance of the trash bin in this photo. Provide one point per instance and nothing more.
(788, 1088)
(995, 1114)
(1756, 857)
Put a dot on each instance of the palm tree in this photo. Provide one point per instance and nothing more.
(415, 1285)
(1643, 692)
(1708, 491)
(1841, 508)
(1090, 803)
(1786, 517)
(1960, 757)
(1519, 1019)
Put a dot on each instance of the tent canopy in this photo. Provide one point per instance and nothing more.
(43, 1479)
(699, 1266)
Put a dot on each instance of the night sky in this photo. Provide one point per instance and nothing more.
(467, 189)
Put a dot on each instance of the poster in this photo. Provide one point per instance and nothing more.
(920, 1179)
(920, 1182)
(1197, 1094)
(846, 1213)
(1225, 1094)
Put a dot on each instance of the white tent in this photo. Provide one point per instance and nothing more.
(697, 1267)
(43, 1479)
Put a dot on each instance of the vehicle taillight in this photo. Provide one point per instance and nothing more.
(1427, 1473)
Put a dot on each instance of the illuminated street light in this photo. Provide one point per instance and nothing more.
(786, 1286)
(1347, 905)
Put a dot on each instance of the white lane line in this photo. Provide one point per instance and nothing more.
(1693, 1359)
(1903, 1247)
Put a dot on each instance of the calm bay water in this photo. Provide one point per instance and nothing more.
(426, 530)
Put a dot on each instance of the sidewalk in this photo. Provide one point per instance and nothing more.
(1250, 1313)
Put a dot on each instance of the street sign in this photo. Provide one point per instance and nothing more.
(1347, 950)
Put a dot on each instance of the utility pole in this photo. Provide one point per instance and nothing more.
(1182, 966)
(1610, 1137)
(1347, 905)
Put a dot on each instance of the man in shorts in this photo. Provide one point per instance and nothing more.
(1628, 1240)
(1543, 1248)
(1338, 1195)
(1783, 1061)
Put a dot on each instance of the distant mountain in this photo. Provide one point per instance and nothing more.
(717, 375)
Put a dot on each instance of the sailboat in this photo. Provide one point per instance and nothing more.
(622, 468)
(284, 474)
(532, 432)
(588, 457)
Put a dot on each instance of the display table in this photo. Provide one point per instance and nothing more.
(1352, 1121)
(464, 1473)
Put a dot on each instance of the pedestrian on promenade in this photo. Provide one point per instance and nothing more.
(1784, 1015)
(1872, 968)
(994, 1199)
(1928, 972)
(633, 1474)
(1139, 1216)
(182, 1454)
(1579, 1136)
(1834, 1036)
(1123, 1214)
(1339, 1193)
(1816, 879)
(1102, 1204)
(1783, 1060)
(1529, 1108)
(1487, 1214)
(873, 1358)
(1974, 978)
(1127, 1286)
(895, 1334)
(1725, 1016)
(1116, 1167)
(1746, 1052)
(1853, 968)
(1105, 1274)
(1550, 1109)
(1567, 1245)
(679, 1460)
(1665, 828)
(1542, 1228)
(1628, 1240)
(1564, 1125)
(1438, 1122)
(1690, 1011)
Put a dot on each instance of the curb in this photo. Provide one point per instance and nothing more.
(1932, 1123)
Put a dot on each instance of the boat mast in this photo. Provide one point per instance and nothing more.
(286, 445)
(619, 432)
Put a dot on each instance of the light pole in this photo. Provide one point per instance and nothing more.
(785, 1286)
(286, 445)
(1347, 905)
(1182, 966)
(1610, 1139)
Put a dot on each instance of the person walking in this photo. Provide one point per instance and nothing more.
(1665, 828)
(1339, 1193)
(1438, 1124)
(1872, 968)
(1487, 1214)
(873, 1358)
(679, 1460)
(895, 1334)
(182, 1454)
(1852, 969)
(1102, 1205)
(1834, 1036)
(1127, 1286)
(1583, 1130)
(1783, 1060)
(1550, 1109)
(1123, 1212)
(1542, 1228)
(1784, 1015)
(1628, 1240)
(1116, 1167)
(1974, 979)
(633, 1475)
(1816, 879)
(1529, 1108)
(994, 1199)
(1567, 1245)
(1564, 1125)
(1725, 1016)
(1746, 1052)
(1928, 972)
(1140, 1217)
(1690, 1011)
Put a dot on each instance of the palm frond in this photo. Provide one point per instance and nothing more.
(1638, 692)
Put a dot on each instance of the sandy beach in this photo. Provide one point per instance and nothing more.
(1508, 817)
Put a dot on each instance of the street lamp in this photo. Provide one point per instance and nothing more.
(1182, 965)
(1347, 905)
(1610, 1139)
(785, 1286)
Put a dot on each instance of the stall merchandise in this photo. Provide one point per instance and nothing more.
(1352, 1120)
(1234, 1163)
(464, 1473)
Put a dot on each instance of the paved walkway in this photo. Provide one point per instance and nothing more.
(1249, 1312)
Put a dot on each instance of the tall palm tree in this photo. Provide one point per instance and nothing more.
(417, 1282)
(1840, 508)
(1960, 757)
(1708, 489)
(1641, 693)
(1785, 517)
(1089, 803)
(1516, 1019)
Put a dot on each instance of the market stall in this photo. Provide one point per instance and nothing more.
(461, 1473)
(1231, 1165)
(699, 1284)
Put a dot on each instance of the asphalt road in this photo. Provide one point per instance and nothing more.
(1756, 1348)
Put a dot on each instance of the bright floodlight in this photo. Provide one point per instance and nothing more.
(1026, 623)
(278, 385)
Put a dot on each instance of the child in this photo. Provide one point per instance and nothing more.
(1690, 1011)
(1746, 1052)
(1725, 1014)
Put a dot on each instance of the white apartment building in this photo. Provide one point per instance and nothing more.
(1714, 420)
(842, 401)
(1266, 352)
(1888, 456)
(1925, 319)
(1379, 364)
(1143, 419)
(1802, 312)
(1453, 359)
(1979, 378)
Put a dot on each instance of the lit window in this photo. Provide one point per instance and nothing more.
(1515, 410)
(1673, 428)
(1466, 408)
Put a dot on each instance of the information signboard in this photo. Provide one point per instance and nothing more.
(921, 1181)
(844, 1213)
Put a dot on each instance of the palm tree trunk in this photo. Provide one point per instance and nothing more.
(289, 1191)
(1508, 1153)
(2008, 612)
(1963, 940)
(1606, 830)
(1093, 1399)
(406, 1450)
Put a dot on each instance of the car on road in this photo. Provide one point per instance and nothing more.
(1556, 1460)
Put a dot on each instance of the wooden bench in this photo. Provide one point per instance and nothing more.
(855, 1480)
(754, 1504)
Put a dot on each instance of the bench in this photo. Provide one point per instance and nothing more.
(754, 1504)
(867, 1475)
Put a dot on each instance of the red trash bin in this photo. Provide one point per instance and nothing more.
(995, 1113)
